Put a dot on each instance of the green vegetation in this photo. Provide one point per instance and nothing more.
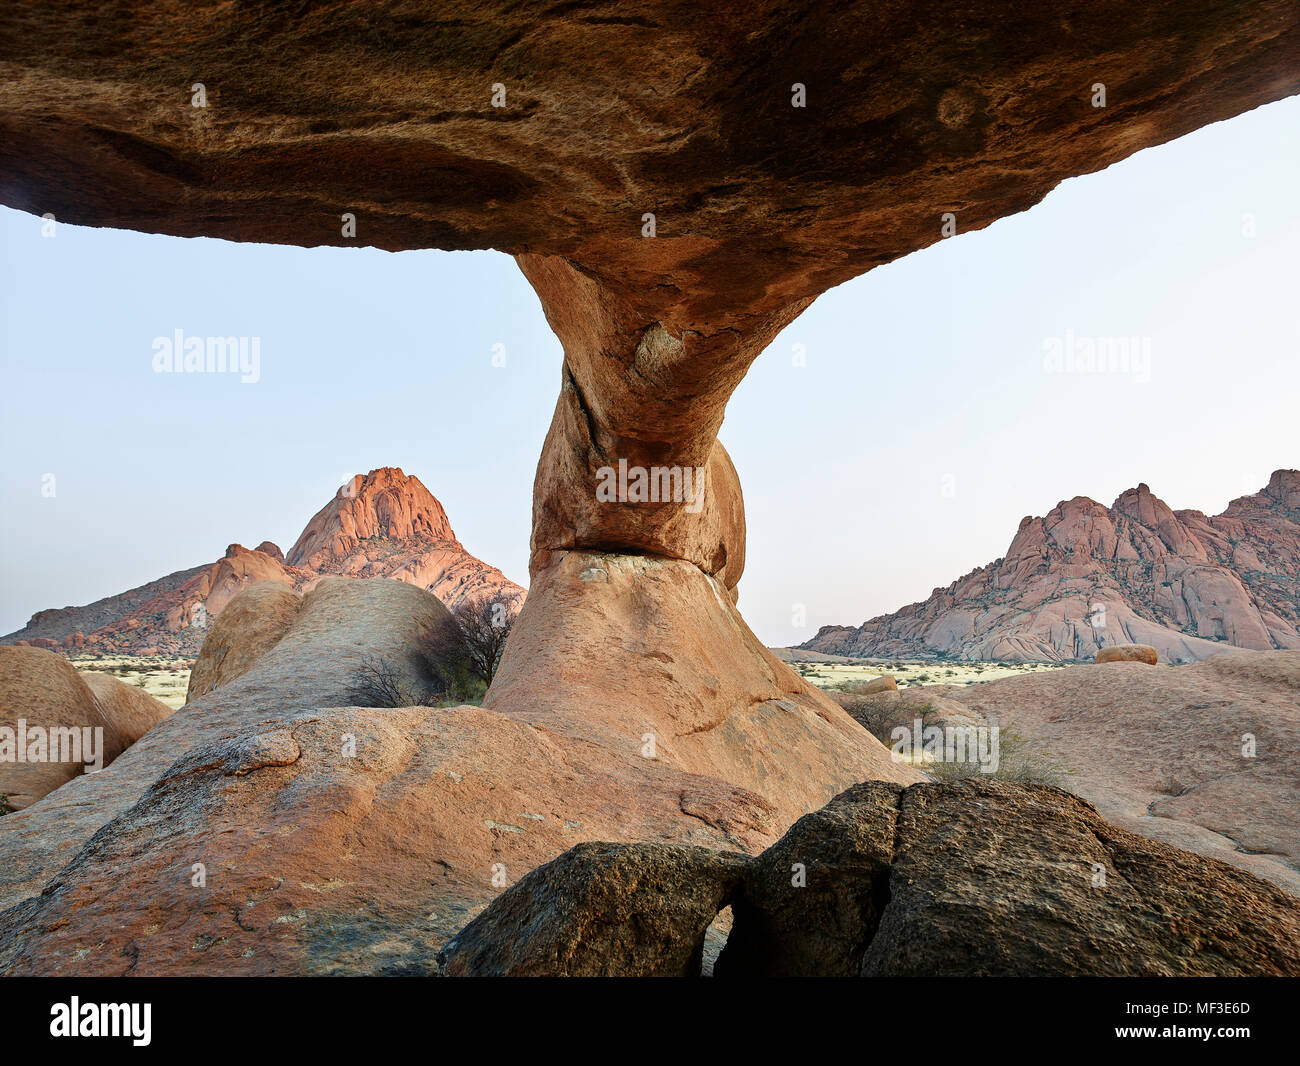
(881, 714)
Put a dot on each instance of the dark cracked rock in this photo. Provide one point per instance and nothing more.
(995, 879)
(601, 910)
(810, 904)
(970, 879)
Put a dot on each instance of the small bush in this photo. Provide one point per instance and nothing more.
(5, 806)
(1017, 764)
(378, 683)
(881, 714)
(458, 656)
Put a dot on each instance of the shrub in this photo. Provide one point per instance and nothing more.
(881, 714)
(1017, 764)
(458, 659)
(378, 683)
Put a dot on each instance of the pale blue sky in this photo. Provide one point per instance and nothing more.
(922, 428)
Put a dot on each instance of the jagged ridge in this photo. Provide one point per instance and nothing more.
(1085, 576)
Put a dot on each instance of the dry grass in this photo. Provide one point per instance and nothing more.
(913, 672)
(161, 676)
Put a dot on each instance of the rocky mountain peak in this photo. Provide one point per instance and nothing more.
(1284, 487)
(385, 503)
(384, 524)
(1188, 584)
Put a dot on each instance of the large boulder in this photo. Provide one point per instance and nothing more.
(649, 657)
(250, 625)
(601, 910)
(128, 708)
(670, 236)
(971, 879)
(333, 839)
(40, 690)
(329, 841)
(997, 880)
(1204, 757)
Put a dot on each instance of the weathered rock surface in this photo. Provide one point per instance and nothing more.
(1087, 577)
(39, 689)
(999, 880)
(384, 524)
(758, 206)
(1204, 757)
(772, 153)
(638, 653)
(351, 840)
(759, 203)
(1128, 653)
(250, 626)
(601, 910)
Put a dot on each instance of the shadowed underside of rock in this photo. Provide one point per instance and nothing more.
(811, 903)
(758, 205)
(387, 112)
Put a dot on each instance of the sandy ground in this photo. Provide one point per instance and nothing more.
(161, 676)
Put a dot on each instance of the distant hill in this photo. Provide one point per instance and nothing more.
(1085, 576)
(384, 524)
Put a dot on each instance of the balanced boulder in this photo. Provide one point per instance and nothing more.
(1128, 653)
